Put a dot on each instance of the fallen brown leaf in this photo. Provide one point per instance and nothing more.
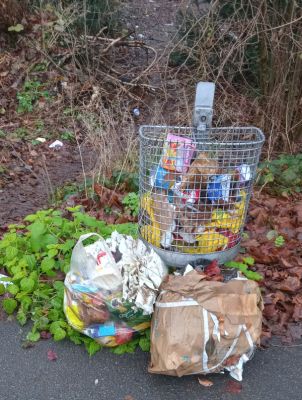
(51, 355)
(290, 284)
(205, 382)
(107, 196)
(233, 387)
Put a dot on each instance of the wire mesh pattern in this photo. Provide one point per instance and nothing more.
(195, 187)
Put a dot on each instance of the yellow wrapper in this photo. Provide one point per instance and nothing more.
(151, 233)
(72, 314)
(226, 220)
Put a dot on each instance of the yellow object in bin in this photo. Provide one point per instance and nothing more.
(151, 232)
(211, 241)
(226, 220)
(208, 242)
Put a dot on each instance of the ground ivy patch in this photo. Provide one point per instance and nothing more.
(36, 256)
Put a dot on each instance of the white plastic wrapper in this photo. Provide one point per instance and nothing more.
(3, 282)
(142, 270)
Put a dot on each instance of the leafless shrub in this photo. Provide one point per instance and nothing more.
(252, 49)
(103, 76)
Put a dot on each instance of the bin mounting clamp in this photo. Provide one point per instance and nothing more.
(203, 108)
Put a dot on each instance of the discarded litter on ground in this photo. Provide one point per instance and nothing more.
(57, 144)
(201, 326)
(111, 288)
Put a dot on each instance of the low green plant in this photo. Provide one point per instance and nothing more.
(67, 135)
(129, 179)
(244, 266)
(131, 203)
(279, 241)
(283, 174)
(21, 133)
(30, 93)
(36, 256)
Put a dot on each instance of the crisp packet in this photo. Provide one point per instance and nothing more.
(178, 152)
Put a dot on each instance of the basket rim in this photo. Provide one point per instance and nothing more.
(260, 136)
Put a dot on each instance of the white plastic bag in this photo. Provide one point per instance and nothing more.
(95, 263)
(111, 288)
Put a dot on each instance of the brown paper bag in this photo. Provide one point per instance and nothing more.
(201, 327)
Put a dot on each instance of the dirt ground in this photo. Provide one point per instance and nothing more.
(29, 174)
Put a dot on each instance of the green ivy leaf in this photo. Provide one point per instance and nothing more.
(144, 344)
(2, 289)
(13, 289)
(21, 317)
(279, 241)
(26, 302)
(47, 264)
(59, 286)
(57, 302)
(9, 305)
(37, 230)
(52, 253)
(33, 336)
(27, 284)
(59, 334)
(41, 323)
(19, 275)
(92, 347)
(249, 261)
(11, 253)
(126, 347)
(30, 260)
(53, 315)
(75, 336)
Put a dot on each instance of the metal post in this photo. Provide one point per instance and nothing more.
(203, 109)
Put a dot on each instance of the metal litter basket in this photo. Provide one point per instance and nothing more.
(195, 186)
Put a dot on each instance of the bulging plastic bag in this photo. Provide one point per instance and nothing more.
(111, 288)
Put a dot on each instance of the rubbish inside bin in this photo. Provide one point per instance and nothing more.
(197, 211)
(219, 187)
(244, 172)
(199, 172)
(162, 178)
(111, 288)
(231, 219)
(201, 326)
(178, 152)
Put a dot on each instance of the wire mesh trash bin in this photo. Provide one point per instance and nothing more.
(195, 186)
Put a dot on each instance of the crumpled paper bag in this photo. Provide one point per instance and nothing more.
(201, 326)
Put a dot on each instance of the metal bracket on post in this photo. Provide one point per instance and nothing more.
(203, 108)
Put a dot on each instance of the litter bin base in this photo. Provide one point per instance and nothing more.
(181, 260)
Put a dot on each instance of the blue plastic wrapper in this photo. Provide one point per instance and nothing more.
(161, 178)
(219, 188)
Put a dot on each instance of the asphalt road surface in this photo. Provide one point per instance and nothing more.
(274, 374)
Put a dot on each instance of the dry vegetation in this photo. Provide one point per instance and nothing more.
(253, 51)
(98, 71)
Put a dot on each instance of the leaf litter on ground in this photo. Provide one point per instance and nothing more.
(205, 382)
(280, 265)
(233, 387)
(51, 355)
